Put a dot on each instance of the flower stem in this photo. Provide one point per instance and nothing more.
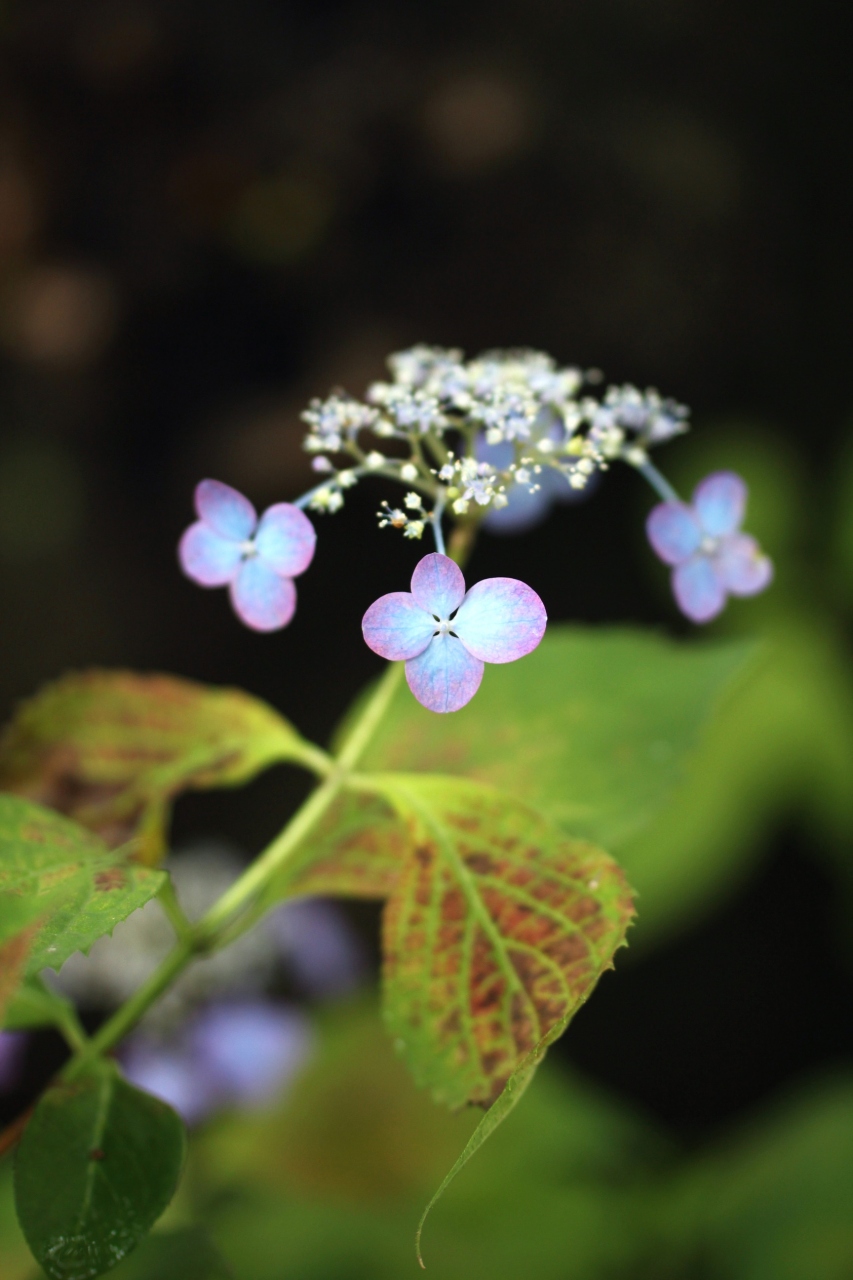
(435, 518)
(659, 483)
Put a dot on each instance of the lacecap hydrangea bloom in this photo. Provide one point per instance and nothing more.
(710, 556)
(445, 635)
(256, 559)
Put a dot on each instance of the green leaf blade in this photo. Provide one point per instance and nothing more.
(592, 729)
(113, 748)
(98, 1164)
(70, 887)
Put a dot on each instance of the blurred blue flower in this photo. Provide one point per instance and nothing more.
(711, 558)
(239, 1054)
(525, 508)
(324, 954)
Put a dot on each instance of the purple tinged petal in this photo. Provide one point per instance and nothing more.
(208, 559)
(438, 585)
(699, 593)
(226, 511)
(673, 531)
(742, 567)
(500, 619)
(445, 676)
(251, 1049)
(171, 1074)
(720, 503)
(261, 598)
(396, 627)
(285, 539)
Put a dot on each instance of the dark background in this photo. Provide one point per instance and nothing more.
(211, 211)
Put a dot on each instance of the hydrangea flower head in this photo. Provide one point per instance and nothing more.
(445, 635)
(256, 559)
(710, 556)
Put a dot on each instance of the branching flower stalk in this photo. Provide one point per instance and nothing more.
(444, 418)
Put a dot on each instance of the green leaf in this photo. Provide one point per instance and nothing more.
(593, 728)
(112, 749)
(98, 1163)
(35, 1005)
(781, 745)
(62, 881)
(772, 1198)
(188, 1254)
(356, 852)
(496, 931)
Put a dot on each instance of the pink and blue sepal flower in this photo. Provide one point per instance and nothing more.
(711, 558)
(445, 635)
(256, 559)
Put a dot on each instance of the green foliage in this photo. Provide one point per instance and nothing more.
(772, 1199)
(60, 885)
(112, 749)
(781, 745)
(592, 729)
(496, 931)
(319, 1188)
(187, 1254)
(35, 1005)
(98, 1163)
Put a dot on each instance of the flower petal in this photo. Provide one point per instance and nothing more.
(500, 619)
(445, 676)
(286, 539)
(209, 560)
(438, 585)
(742, 567)
(261, 598)
(673, 531)
(720, 503)
(396, 627)
(698, 590)
(225, 510)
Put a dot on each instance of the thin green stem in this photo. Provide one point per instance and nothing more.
(72, 1030)
(659, 482)
(257, 876)
(368, 722)
(173, 910)
(126, 1018)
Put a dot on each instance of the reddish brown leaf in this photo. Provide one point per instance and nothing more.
(497, 930)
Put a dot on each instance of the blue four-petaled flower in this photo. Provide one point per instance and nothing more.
(257, 559)
(710, 556)
(445, 635)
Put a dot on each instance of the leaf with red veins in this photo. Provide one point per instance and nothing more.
(496, 932)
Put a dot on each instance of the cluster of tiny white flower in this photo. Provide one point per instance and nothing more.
(517, 407)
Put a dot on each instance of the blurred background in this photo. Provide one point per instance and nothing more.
(209, 213)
